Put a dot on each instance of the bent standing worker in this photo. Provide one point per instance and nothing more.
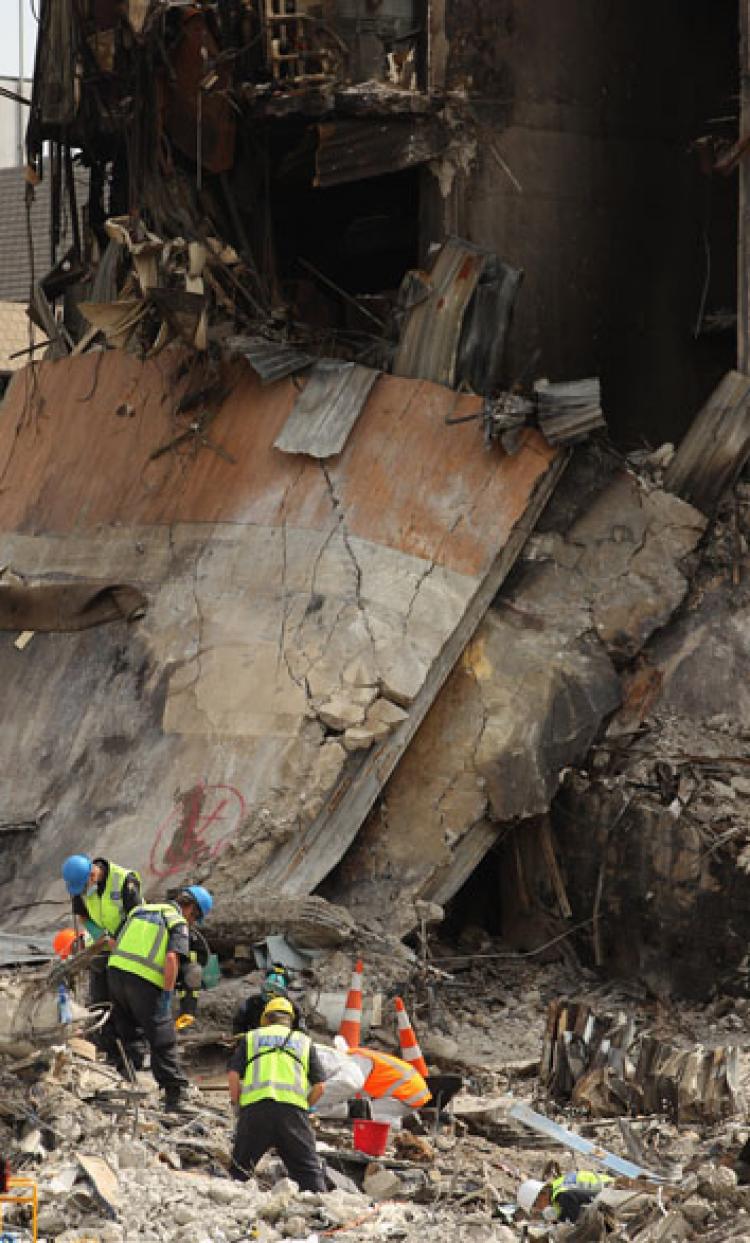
(271, 1076)
(563, 1198)
(142, 972)
(103, 894)
(195, 903)
(392, 1087)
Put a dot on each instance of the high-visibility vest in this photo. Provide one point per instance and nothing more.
(105, 909)
(390, 1076)
(141, 947)
(277, 1069)
(586, 1180)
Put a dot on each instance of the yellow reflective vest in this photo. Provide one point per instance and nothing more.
(105, 909)
(277, 1067)
(585, 1180)
(141, 946)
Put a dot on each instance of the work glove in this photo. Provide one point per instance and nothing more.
(164, 1005)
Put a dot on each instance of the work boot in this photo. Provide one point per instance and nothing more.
(175, 1101)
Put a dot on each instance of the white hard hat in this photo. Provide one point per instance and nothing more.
(528, 1194)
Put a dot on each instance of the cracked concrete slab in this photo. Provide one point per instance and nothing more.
(529, 696)
(203, 741)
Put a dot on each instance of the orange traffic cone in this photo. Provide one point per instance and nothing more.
(351, 1020)
(410, 1050)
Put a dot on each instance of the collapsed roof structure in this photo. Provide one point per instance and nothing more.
(286, 444)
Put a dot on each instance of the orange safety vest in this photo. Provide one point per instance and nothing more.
(390, 1076)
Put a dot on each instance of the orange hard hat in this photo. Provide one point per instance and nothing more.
(63, 940)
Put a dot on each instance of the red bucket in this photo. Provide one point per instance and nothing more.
(371, 1137)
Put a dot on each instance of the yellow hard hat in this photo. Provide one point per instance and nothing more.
(278, 1005)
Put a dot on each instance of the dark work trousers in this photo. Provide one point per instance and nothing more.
(104, 1038)
(135, 1003)
(270, 1124)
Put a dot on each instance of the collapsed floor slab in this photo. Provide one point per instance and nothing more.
(301, 615)
(527, 699)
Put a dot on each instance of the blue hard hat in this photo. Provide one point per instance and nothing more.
(202, 899)
(75, 872)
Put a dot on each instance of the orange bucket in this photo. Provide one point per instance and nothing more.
(371, 1137)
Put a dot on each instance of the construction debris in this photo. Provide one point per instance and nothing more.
(602, 1064)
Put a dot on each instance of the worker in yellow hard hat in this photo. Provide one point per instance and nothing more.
(271, 1075)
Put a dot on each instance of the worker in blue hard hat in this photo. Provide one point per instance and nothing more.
(103, 894)
(196, 904)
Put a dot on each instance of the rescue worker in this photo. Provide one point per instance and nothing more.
(391, 1086)
(142, 973)
(196, 904)
(271, 1074)
(276, 984)
(103, 894)
(563, 1198)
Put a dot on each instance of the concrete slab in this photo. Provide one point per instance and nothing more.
(195, 742)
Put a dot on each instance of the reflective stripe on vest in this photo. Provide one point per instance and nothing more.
(105, 909)
(141, 947)
(391, 1076)
(277, 1067)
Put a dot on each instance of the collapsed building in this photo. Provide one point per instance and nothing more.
(292, 433)
(323, 583)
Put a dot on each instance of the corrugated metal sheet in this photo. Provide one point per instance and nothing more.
(481, 353)
(354, 150)
(270, 359)
(430, 340)
(325, 413)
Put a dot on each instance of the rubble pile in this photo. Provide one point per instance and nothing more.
(111, 1166)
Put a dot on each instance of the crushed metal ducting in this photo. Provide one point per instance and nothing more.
(457, 318)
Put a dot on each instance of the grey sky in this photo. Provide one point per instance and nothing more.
(9, 49)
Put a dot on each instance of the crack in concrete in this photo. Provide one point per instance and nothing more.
(282, 654)
(200, 623)
(431, 567)
(339, 512)
(474, 752)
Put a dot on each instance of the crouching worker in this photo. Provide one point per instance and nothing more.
(272, 1075)
(390, 1085)
(564, 1197)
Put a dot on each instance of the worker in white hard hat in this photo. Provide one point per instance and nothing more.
(563, 1198)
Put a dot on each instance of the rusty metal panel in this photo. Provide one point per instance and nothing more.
(353, 150)
(325, 413)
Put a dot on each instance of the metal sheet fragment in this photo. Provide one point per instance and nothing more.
(561, 1135)
(325, 413)
(271, 360)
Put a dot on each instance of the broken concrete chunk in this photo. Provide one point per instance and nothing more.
(358, 738)
(362, 670)
(381, 1184)
(384, 713)
(403, 673)
(348, 708)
